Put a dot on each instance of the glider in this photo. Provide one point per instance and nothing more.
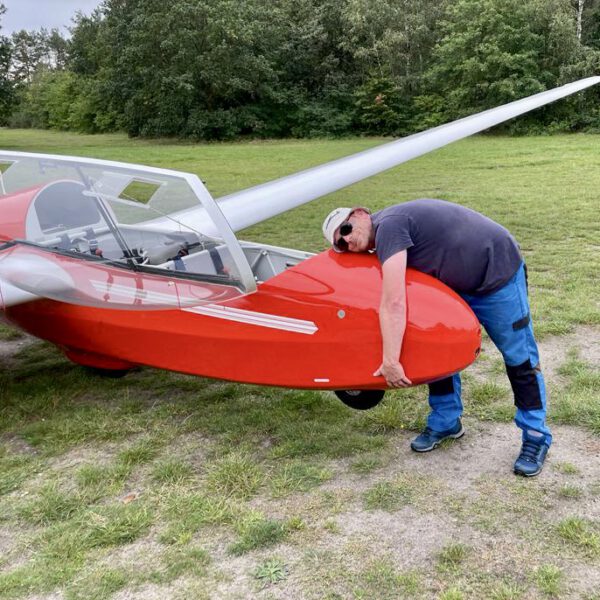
(123, 265)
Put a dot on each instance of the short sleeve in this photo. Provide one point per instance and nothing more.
(392, 236)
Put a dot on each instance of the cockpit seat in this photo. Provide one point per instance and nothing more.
(62, 205)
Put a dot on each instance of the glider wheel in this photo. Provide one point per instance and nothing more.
(109, 373)
(360, 399)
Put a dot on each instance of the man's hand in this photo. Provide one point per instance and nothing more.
(394, 375)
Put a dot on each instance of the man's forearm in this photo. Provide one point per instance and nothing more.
(392, 321)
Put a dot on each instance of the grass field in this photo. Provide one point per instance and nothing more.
(160, 485)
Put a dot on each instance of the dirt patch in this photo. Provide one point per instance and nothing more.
(554, 351)
(15, 444)
(8, 348)
(7, 544)
(149, 591)
(507, 524)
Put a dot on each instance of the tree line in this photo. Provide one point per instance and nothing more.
(221, 69)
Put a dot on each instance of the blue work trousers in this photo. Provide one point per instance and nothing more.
(505, 316)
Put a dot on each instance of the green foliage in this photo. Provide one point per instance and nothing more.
(171, 471)
(178, 561)
(51, 504)
(566, 468)
(297, 477)
(8, 333)
(401, 409)
(379, 578)
(570, 491)
(366, 463)
(486, 55)
(579, 396)
(494, 51)
(187, 512)
(507, 591)
(101, 584)
(234, 475)
(221, 69)
(380, 108)
(6, 86)
(98, 480)
(14, 470)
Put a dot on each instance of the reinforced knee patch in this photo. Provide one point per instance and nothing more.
(441, 387)
(525, 386)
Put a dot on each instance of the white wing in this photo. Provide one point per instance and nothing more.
(253, 205)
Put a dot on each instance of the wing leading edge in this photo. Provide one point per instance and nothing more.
(253, 205)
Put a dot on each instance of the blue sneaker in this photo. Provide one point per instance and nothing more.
(429, 439)
(532, 456)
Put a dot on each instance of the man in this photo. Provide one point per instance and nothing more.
(481, 261)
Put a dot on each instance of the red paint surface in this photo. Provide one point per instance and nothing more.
(13, 210)
(442, 335)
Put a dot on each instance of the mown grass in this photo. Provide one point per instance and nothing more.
(549, 580)
(162, 479)
(580, 535)
(9, 334)
(452, 556)
(544, 189)
(578, 404)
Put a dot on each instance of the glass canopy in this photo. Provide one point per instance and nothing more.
(85, 215)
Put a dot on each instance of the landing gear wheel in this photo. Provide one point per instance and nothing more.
(109, 373)
(360, 399)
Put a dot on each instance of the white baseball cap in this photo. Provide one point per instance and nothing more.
(334, 219)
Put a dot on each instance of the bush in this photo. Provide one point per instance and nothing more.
(381, 108)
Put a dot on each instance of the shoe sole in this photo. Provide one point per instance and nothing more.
(454, 436)
(521, 474)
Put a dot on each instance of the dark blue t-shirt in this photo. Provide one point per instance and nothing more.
(467, 251)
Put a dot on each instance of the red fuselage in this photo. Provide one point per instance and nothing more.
(314, 325)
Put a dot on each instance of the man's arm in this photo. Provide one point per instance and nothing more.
(392, 319)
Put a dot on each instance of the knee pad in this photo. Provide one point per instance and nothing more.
(442, 387)
(525, 385)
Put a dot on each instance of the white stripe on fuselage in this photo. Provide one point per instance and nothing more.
(250, 317)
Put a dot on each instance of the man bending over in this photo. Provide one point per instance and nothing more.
(481, 261)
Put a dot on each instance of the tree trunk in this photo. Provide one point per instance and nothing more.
(580, 4)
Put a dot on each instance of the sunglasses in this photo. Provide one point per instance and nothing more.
(344, 229)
